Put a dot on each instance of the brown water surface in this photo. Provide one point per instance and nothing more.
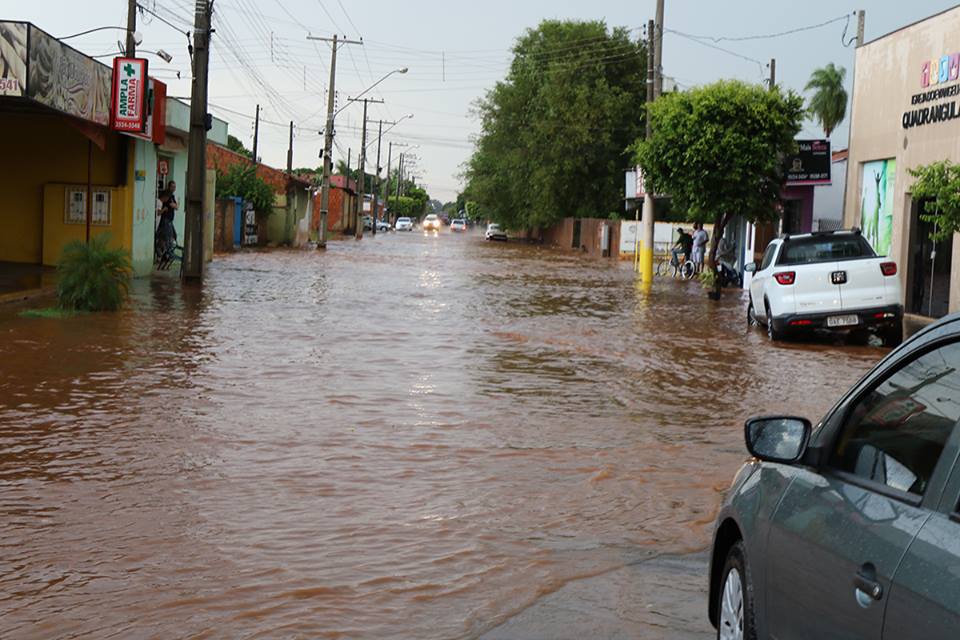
(408, 437)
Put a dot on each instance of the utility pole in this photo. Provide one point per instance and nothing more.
(646, 243)
(399, 177)
(363, 162)
(773, 73)
(256, 134)
(328, 137)
(351, 208)
(861, 18)
(376, 188)
(290, 151)
(658, 52)
(197, 146)
(131, 28)
(386, 185)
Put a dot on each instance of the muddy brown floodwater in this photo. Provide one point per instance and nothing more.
(405, 437)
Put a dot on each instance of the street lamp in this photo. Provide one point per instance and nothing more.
(367, 90)
(136, 34)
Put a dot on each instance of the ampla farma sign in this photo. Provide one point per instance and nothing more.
(129, 106)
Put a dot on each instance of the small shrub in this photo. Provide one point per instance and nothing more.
(93, 277)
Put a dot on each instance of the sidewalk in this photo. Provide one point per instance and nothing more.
(663, 597)
(20, 282)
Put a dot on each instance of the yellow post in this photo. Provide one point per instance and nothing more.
(646, 245)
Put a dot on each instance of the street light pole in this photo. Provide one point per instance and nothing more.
(376, 188)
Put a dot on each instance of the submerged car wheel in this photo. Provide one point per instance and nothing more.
(751, 316)
(772, 332)
(736, 598)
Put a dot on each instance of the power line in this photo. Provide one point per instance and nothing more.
(713, 46)
(764, 36)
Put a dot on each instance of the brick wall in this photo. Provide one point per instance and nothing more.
(561, 235)
(221, 159)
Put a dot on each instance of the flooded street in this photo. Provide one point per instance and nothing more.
(405, 437)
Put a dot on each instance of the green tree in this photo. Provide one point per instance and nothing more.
(554, 132)
(241, 180)
(938, 186)
(828, 105)
(718, 151)
(234, 144)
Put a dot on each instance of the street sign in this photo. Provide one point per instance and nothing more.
(811, 165)
(128, 110)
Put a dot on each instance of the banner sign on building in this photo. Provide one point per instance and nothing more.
(64, 79)
(129, 105)
(877, 181)
(13, 58)
(811, 164)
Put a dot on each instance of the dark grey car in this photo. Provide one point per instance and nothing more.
(851, 529)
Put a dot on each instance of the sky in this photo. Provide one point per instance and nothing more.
(455, 52)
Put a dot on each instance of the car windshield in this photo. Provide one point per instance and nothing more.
(431, 217)
(825, 249)
(403, 219)
(493, 227)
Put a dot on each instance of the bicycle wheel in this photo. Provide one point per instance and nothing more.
(663, 267)
(687, 269)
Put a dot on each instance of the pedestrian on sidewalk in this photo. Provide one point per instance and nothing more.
(700, 239)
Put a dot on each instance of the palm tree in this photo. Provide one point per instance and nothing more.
(828, 106)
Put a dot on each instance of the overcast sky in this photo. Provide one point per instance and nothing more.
(455, 51)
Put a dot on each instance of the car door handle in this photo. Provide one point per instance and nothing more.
(865, 581)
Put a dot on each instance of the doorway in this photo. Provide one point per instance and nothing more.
(576, 234)
(792, 221)
(928, 275)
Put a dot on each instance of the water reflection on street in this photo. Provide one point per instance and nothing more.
(408, 436)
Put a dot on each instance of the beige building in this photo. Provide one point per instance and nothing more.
(906, 113)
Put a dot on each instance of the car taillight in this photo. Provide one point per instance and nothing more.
(785, 277)
(888, 268)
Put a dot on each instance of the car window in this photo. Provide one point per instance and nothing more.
(894, 434)
(768, 257)
(824, 249)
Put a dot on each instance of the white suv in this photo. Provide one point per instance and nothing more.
(826, 280)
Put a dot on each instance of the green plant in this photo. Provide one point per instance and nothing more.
(828, 105)
(708, 279)
(937, 185)
(93, 276)
(241, 180)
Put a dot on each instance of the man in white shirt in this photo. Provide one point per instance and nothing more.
(700, 238)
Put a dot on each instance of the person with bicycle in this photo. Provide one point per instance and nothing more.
(683, 246)
(166, 240)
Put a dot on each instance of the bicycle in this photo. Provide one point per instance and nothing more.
(685, 268)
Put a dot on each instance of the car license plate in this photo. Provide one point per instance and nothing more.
(842, 321)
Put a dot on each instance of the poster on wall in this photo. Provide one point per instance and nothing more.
(876, 203)
(66, 80)
(13, 58)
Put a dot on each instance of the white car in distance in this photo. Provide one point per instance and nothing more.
(826, 280)
(404, 224)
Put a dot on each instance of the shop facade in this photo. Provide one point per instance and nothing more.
(904, 115)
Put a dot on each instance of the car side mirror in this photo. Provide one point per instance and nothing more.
(750, 268)
(777, 438)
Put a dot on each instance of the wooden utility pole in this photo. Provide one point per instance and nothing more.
(197, 146)
(773, 73)
(256, 134)
(131, 28)
(376, 187)
(328, 137)
(290, 151)
(386, 185)
(351, 208)
(399, 177)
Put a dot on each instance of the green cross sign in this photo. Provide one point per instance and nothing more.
(128, 69)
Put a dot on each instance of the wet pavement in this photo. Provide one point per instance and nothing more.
(409, 436)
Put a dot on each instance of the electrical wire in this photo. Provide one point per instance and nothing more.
(765, 36)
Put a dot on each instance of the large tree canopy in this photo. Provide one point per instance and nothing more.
(556, 129)
(718, 150)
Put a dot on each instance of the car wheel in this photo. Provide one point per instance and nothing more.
(893, 336)
(772, 332)
(735, 605)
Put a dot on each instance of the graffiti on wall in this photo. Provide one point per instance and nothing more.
(13, 58)
(877, 179)
(66, 80)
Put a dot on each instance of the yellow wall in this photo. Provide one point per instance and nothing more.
(41, 150)
(56, 233)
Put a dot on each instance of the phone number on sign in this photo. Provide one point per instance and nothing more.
(9, 85)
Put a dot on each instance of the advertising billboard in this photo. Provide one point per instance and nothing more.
(810, 165)
(877, 181)
(13, 58)
(64, 79)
